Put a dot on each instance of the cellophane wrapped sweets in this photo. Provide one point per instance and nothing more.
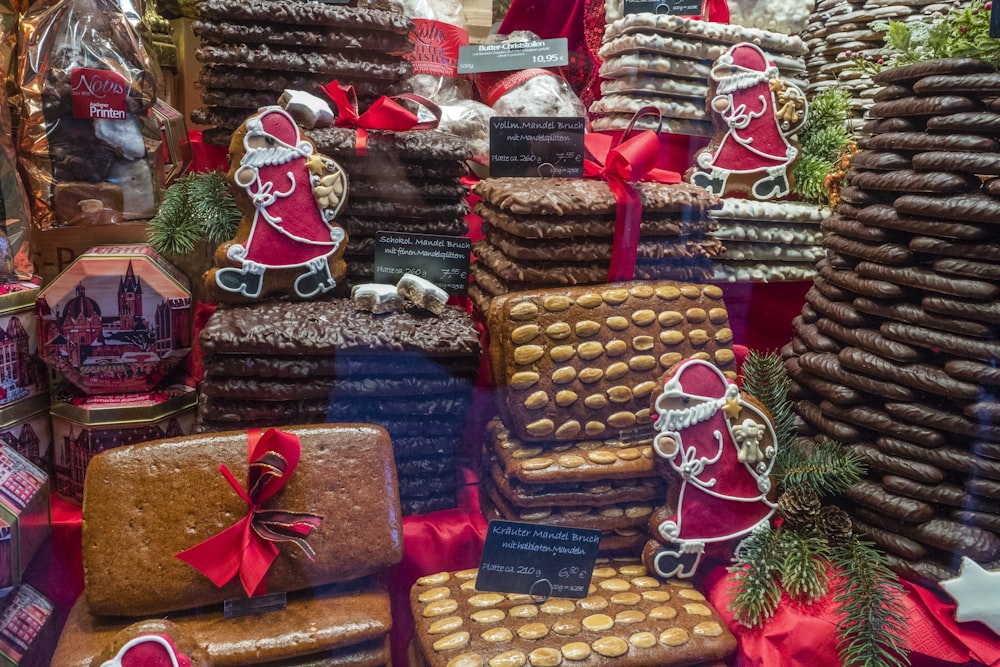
(88, 141)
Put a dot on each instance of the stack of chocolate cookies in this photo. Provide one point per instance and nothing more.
(542, 232)
(295, 363)
(664, 61)
(840, 31)
(896, 347)
(576, 370)
(253, 50)
(768, 241)
(405, 182)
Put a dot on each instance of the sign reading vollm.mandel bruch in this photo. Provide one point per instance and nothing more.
(538, 560)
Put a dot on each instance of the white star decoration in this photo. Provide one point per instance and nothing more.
(975, 591)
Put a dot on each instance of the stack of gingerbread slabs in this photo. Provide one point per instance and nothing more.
(292, 363)
(897, 346)
(541, 232)
(664, 61)
(841, 31)
(253, 50)
(768, 241)
(405, 182)
(576, 370)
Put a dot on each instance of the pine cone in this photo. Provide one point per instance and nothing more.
(833, 522)
(798, 506)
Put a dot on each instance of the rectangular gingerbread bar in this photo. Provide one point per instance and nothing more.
(346, 626)
(143, 504)
(582, 362)
(628, 619)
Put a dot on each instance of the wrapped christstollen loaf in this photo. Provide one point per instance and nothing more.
(543, 232)
(575, 369)
(896, 347)
(411, 372)
(665, 61)
(251, 52)
(164, 525)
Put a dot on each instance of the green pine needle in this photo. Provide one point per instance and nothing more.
(196, 208)
(804, 566)
(765, 379)
(872, 628)
(826, 467)
(822, 139)
(756, 589)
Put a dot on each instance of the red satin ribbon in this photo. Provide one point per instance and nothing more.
(248, 547)
(384, 114)
(633, 159)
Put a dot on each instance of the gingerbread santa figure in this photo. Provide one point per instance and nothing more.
(757, 112)
(289, 195)
(149, 651)
(716, 447)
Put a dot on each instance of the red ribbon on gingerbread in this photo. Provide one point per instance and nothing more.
(385, 113)
(248, 547)
(633, 158)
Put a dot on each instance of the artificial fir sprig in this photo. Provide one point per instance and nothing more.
(812, 541)
(196, 208)
(822, 140)
(872, 626)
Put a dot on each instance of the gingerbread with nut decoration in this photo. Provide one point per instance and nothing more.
(287, 242)
(716, 447)
(756, 114)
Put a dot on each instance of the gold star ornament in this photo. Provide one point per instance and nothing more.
(975, 591)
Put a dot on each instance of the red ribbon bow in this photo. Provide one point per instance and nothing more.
(631, 159)
(249, 546)
(384, 114)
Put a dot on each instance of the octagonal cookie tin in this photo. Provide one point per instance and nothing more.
(118, 319)
(21, 374)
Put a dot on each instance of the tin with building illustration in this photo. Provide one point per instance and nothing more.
(22, 375)
(24, 427)
(83, 426)
(118, 319)
(24, 515)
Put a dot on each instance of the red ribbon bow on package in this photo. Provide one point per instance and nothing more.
(384, 114)
(248, 547)
(633, 158)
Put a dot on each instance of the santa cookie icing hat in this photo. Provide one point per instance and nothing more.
(744, 64)
(149, 651)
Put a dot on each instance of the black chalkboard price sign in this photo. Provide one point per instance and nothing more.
(537, 560)
(671, 7)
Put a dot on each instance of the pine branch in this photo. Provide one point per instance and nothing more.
(214, 206)
(174, 229)
(872, 629)
(803, 569)
(821, 139)
(756, 591)
(826, 467)
(196, 208)
(765, 379)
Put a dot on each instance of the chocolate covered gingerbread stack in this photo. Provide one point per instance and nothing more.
(895, 350)
(665, 61)
(576, 369)
(554, 231)
(252, 51)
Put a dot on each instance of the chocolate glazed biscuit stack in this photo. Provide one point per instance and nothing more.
(252, 50)
(664, 61)
(896, 347)
(412, 373)
(576, 369)
(406, 182)
(840, 30)
(542, 232)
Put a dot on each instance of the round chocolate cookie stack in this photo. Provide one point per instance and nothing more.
(664, 61)
(768, 241)
(895, 350)
(405, 182)
(253, 50)
(544, 232)
(838, 31)
(278, 363)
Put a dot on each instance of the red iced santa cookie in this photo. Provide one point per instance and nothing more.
(155, 643)
(716, 447)
(287, 242)
(755, 113)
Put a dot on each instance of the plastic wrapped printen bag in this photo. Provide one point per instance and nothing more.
(438, 33)
(88, 140)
